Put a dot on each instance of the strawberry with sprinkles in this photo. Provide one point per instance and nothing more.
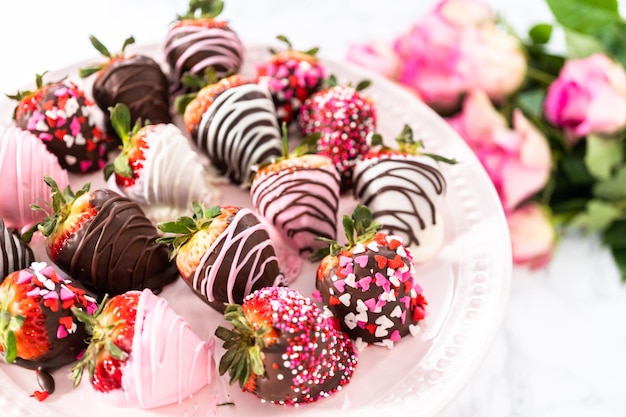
(368, 283)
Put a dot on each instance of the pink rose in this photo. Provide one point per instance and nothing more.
(376, 56)
(533, 236)
(518, 160)
(456, 48)
(589, 96)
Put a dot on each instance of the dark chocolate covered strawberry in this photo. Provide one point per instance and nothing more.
(15, 253)
(404, 188)
(60, 114)
(142, 354)
(38, 330)
(233, 121)
(105, 241)
(198, 42)
(291, 76)
(345, 117)
(135, 80)
(283, 349)
(222, 253)
(368, 283)
(298, 194)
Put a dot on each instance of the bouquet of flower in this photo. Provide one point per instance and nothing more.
(549, 127)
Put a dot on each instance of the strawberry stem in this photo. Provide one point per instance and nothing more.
(243, 346)
(203, 9)
(182, 230)
(358, 228)
(61, 208)
(100, 47)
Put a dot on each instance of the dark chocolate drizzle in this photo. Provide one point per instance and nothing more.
(240, 130)
(409, 183)
(116, 251)
(139, 83)
(15, 254)
(241, 260)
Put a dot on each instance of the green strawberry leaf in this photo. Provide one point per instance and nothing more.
(10, 347)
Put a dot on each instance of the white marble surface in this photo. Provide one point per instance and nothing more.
(561, 351)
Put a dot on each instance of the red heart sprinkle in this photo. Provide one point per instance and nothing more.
(40, 395)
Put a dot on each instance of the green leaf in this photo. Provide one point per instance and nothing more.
(602, 156)
(10, 348)
(120, 119)
(114, 350)
(597, 217)
(584, 16)
(99, 46)
(540, 33)
(531, 101)
(615, 236)
(580, 45)
(612, 189)
(619, 255)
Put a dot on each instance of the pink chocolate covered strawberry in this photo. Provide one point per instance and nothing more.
(299, 195)
(368, 283)
(142, 354)
(404, 188)
(198, 42)
(283, 349)
(291, 76)
(62, 116)
(345, 117)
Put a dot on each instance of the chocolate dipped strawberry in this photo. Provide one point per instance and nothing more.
(38, 330)
(142, 354)
(345, 117)
(198, 42)
(233, 121)
(135, 80)
(368, 283)
(298, 194)
(60, 114)
(283, 349)
(157, 166)
(222, 253)
(15, 253)
(104, 240)
(291, 77)
(404, 188)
